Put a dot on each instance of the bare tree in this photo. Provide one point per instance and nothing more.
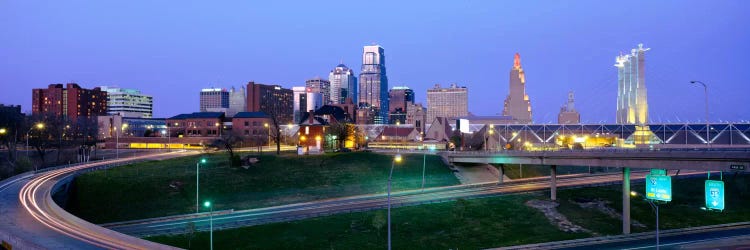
(10, 124)
(227, 141)
(343, 131)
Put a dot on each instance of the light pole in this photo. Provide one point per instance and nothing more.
(117, 139)
(269, 134)
(655, 207)
(396, 159)
(197, 181)
(708, 128)
(210, 221)
(40, 126)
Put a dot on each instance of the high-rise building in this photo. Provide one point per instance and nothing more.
(319, 85)
(373, 85)
(343, 84)
(568, 113)
(399, 99)
(237, 101)
(71, 102)
(273, 100)
(128, 102)
(632, 104)
(447, 102)
(214, 99)
(517, 103)
(304, 101)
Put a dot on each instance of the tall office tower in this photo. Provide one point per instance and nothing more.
(373, 85)
(320, 85)
(447, 102)
(128, 102)
(632, 104)
(304, 101)
(237, 101)
(399, 99)
(272, 100)
(517, 104)
(568, 113)
(343, 84)
(70, 102)
(214, 99)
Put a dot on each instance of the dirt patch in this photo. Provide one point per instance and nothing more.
(603, 206)
(549, 208)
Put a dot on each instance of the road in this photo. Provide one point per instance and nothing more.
(234, 219)
(29, 213)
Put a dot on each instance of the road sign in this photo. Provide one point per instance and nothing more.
(659, 187)
(715, 195)
(737, 167)
(658, 171)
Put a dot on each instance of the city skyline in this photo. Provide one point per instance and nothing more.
(580, 59)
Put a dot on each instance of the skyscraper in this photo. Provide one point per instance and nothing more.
(343, 84)
(304, 101)
(128, 102)
(517, 104)
(373, 85)
(320, 85)
(273, 100)
(214, 99)
(568, 113)
(447, 102)
(399, 99)
(237, 101)
(632, 104)
(70, 102)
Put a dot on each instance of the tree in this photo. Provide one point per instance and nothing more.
(10, 123)
(378, 221)
(342, 131)
(227, 141)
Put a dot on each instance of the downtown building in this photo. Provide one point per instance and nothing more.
(517, 103)
(128, 102)
(70, 102)
(632, 102)
(568, 113)
(237, 101)
(343, 84)
(373, 87)
(214, 100)
(448, 102)
(273, 100)
(399, 99)
(305, 100)
(319, 85)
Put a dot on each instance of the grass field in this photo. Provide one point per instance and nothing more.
(143, 190)
(482, 223)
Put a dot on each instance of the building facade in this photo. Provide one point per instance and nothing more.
(447, 102)
(113, 126)
(632, 102)
(214, 99)
(304, 101)
(253, 126)
(373, 85)
(568, 113)
(416, 115)
(128, 102)
(319, 85)
(399, 99)
(517, 103)
(237, 101)
(272, 100)
(197, 124)
(343, 84)
(71, 102)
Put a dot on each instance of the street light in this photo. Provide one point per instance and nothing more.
(396, 159)
(40, 126)
(197, 183)
(269, 134)
(654, 207)
(117, 139)
(211, 221)
(708, 128)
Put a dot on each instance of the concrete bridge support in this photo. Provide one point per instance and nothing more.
(501, 173)
(553, 182)
(625, 200)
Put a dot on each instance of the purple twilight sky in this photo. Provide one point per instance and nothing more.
(172, 49)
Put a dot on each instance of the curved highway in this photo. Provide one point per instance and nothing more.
(31, 216)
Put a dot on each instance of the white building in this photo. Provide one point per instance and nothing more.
(343, 84)
(237, 101)
(128, 102)
(632, 103)
(305, 100)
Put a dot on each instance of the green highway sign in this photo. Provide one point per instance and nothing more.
(715, 195)
(658, 171)
(659, 187)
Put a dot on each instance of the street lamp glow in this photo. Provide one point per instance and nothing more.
(3, 131)
(40, 125)
(265, 125)
(633, 193)
(207, 204)
(397, 158)
(203, 160)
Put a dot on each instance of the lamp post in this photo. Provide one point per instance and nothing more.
(40, 126)
(708, 127)
(117, 139)
(655, 207)
(210, 221)
(396, 159)
(269, 134)
(197, 181)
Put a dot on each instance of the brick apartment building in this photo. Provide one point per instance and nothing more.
(70, 101)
